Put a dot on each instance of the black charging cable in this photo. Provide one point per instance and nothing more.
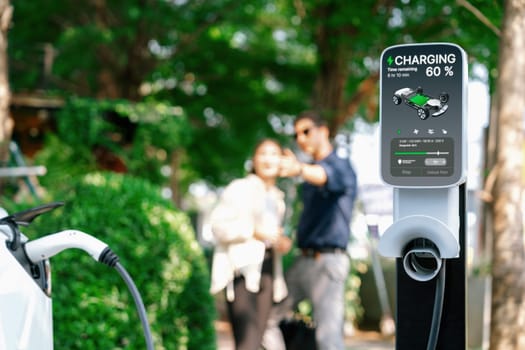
(111, 259)
(438, 308)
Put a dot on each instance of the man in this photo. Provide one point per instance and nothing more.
(328, 193)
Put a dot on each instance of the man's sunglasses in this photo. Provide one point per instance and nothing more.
(304, 132)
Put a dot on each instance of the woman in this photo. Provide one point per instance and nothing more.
(247, 226)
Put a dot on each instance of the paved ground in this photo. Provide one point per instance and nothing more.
(360, 340)
(369, 341)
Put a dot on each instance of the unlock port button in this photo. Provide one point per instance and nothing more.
(435, 161)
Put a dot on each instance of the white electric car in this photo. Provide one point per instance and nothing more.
(425, 105)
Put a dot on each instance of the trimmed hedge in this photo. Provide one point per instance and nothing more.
(92, 306)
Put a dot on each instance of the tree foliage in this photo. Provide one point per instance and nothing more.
(208, 57)
(238, 69)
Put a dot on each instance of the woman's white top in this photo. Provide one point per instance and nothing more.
(246, 206)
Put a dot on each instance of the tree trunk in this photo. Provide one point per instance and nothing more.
(333, 53)
(6, 123)
(334, 46)
(508, 291)
(175, 162)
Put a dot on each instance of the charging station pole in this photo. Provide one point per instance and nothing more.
(423, 156)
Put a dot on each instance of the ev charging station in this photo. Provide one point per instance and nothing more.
(423, 156)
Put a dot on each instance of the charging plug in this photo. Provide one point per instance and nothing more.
(48, 246)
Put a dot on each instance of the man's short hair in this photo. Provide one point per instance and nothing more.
(312, 115)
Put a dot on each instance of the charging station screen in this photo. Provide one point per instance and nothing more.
(422, 115)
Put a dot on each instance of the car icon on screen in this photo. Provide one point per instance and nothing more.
(425, 105)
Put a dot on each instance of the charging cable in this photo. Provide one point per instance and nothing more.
(438, 309)
(48, 246)
(422, 262)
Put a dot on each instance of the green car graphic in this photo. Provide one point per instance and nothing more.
(425, 105)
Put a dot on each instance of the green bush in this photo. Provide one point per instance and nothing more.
(92, 307)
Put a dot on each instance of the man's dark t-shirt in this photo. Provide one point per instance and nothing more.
(327, 209)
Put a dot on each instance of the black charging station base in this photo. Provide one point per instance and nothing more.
(415, 301)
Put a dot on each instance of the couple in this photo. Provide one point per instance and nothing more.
(247, 225)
